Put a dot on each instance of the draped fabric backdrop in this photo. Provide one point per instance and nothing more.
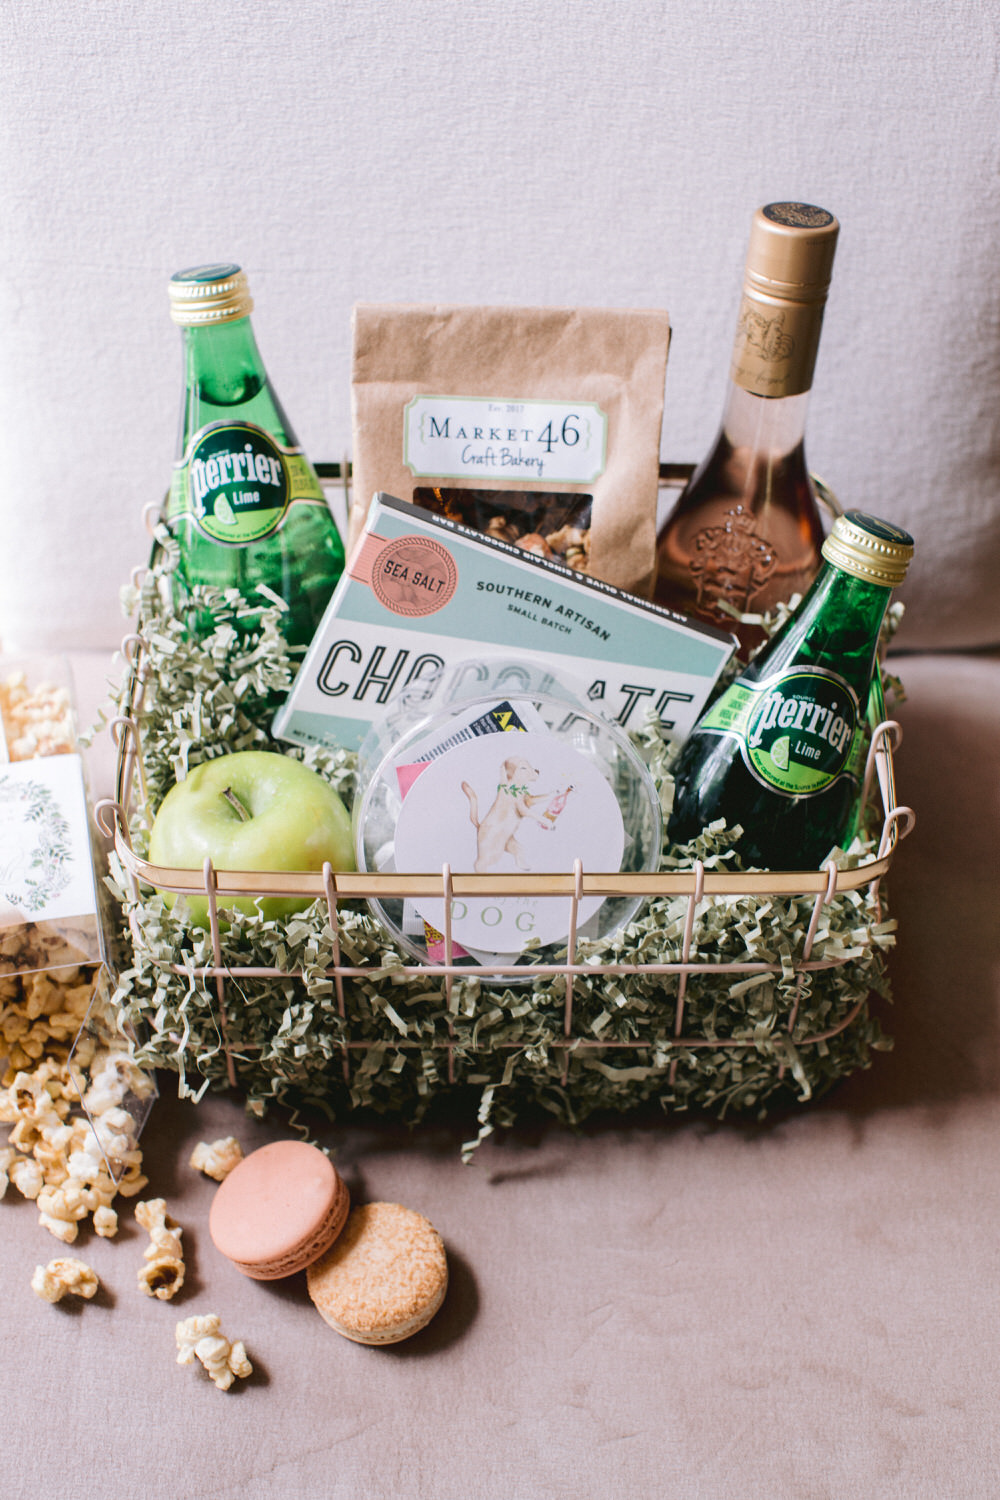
(586, 153)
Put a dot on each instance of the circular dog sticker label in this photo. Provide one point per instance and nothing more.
(414, 576)
(502, 804)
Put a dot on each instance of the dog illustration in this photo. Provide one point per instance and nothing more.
(497, 829)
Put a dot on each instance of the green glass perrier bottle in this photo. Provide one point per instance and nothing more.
(245, 504)
(781, 750)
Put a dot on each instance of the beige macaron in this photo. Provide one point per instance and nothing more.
(384, 1278)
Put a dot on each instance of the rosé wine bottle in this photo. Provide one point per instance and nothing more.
(746, 530)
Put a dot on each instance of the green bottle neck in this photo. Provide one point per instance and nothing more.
(837, 625)
(222, 362)
(225, 378)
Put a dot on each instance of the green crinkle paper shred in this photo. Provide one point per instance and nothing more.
(500, 1047)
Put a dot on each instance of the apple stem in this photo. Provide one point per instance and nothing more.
(235, 803)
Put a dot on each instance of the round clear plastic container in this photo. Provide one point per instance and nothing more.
(501, 768)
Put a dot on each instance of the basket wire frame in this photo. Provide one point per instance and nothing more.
(696, 884)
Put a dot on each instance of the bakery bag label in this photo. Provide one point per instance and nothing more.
(798, 731)
(236, 483)
(472, 437)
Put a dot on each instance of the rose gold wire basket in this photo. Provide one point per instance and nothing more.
(697, 885)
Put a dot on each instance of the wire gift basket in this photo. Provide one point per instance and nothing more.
(729, 989)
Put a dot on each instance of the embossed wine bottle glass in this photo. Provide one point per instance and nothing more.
(746, 529)
(245, 503)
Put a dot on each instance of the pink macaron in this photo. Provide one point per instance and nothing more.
(279, 1210)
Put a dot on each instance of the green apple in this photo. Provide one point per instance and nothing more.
(252, 810)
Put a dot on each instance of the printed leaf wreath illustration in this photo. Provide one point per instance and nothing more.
(44, 869)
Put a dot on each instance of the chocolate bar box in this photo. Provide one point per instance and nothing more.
(423, 593)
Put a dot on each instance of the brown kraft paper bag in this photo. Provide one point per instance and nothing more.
(540, 426)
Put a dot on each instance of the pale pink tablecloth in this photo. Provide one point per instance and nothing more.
(807, 1309)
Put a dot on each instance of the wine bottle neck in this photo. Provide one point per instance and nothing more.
(777, 339)
(771, 426)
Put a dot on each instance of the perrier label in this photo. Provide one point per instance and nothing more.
(236, 483)
(781, 750)
(797, 731)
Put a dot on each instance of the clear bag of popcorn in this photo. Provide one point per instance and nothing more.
(69, 1086)
(36, 708)
(73, 1119)
(116, 1092)
(48, 893)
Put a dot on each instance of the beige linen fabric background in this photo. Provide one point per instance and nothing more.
(600, 152)
(670, 1310)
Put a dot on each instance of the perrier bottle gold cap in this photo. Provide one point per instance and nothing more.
(868, 548)
(209, 294)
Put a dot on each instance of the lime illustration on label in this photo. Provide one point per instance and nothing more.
(236, 483)
(797, 731)
(780, 752)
